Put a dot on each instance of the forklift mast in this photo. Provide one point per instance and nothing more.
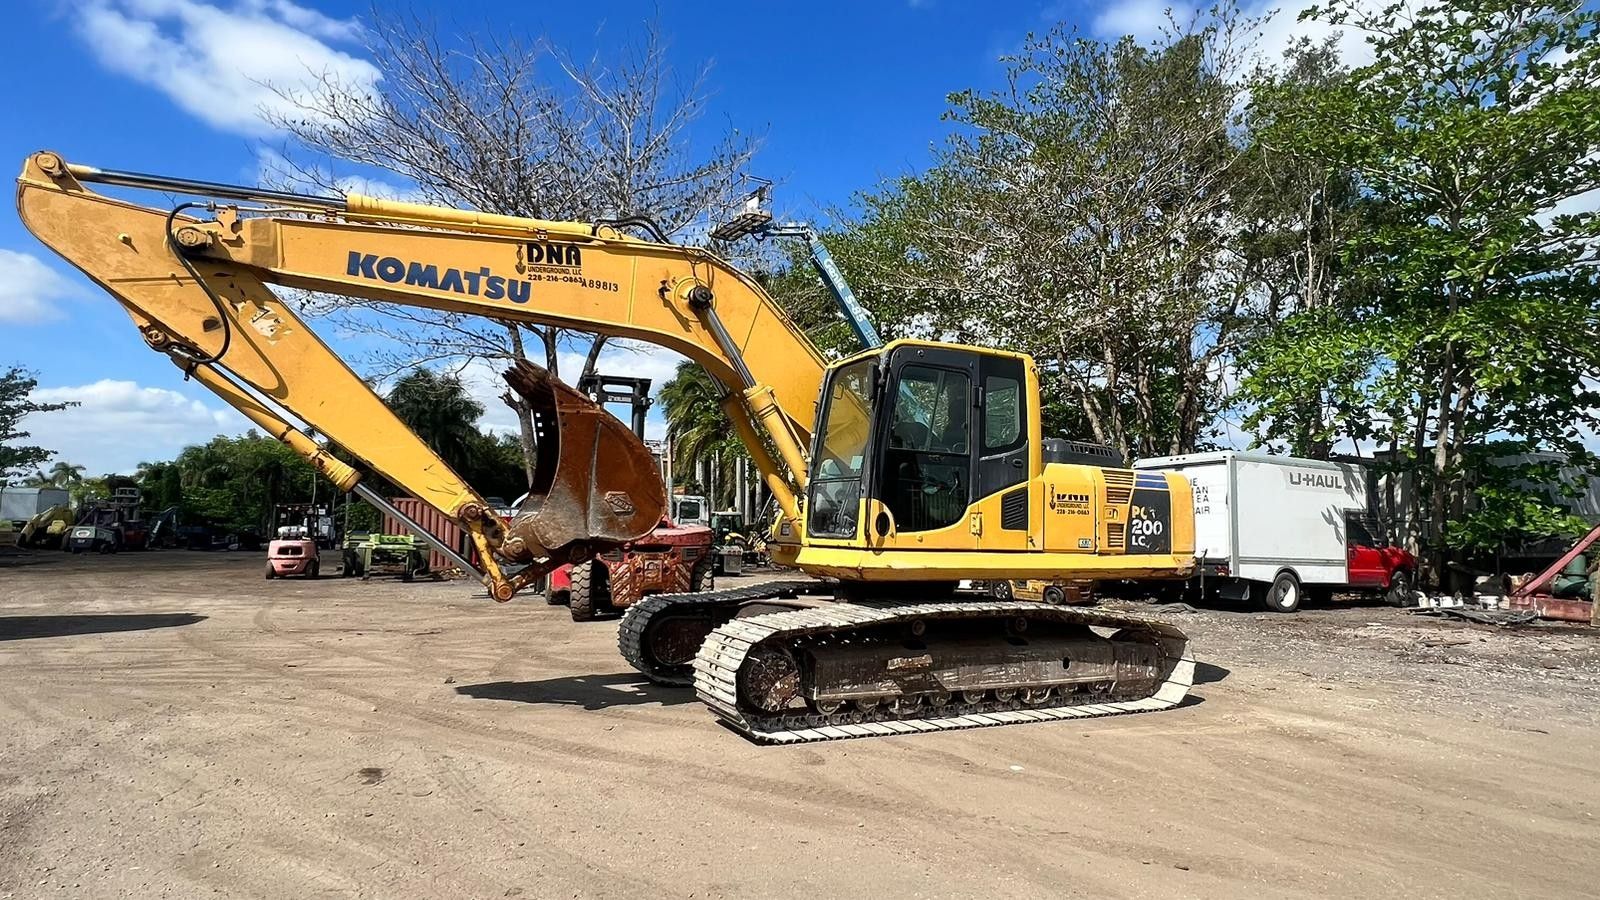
(635, 392)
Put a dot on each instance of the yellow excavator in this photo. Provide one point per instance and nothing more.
(897, 472)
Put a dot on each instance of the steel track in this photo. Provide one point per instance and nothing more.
(719, 660)
(638, 618)
(724, 653)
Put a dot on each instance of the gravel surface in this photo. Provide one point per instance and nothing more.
(174, 725)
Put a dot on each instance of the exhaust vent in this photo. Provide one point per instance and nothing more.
(1116, 536)
(1119, 486)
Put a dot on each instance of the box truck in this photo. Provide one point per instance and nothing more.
(19, 504)
(1274, 529)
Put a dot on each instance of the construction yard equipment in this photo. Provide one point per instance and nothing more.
(924, 464)
(365, 555)
(1044, 590)
(293, 552)
(47, 530)
(1567, 590)
(110, 524)
(673, 558)
(731, 546)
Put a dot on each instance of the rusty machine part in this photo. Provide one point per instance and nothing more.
(805, 669)
(617, 579)
(595, 486)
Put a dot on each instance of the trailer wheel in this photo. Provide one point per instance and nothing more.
(1399, 593)
(701, 577)
(1282, 595)
(589, 590)
(1000, 590)
(1054, 595)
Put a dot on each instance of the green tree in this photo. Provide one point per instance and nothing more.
(161, 484)
(65, 474)
(15, 387)
(440, 410)
(236, 482)
(1084, 214)
(1473, 137)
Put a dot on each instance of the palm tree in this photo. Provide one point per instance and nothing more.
(64, 474)
(441, 412)
(699, 431)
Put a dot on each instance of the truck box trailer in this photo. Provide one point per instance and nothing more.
(1273, 529)
(19, 504)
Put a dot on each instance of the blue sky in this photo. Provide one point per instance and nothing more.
(842, 94)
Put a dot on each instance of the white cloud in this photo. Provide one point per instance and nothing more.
(1283, 28)
(1144, 19)
(308, 20)
(221, 64)
(119, 424)
(28, 287)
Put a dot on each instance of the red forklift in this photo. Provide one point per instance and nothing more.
(672, 559)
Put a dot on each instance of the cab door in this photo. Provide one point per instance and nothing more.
(1364, 563)
(926, 474)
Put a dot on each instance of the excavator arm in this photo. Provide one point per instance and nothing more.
(198, 288)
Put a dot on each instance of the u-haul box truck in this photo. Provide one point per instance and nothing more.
(1272, 529)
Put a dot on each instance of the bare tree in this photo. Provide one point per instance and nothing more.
(514, 126)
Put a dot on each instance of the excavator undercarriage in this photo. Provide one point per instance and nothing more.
(780, 664)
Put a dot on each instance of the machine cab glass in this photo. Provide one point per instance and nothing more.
(839, 451)
(926, 429)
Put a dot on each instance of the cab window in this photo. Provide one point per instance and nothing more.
(927, 465)
(840, 451)
(1002, 411)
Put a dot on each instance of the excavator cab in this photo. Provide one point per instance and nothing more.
(928, 465)
(923, 431)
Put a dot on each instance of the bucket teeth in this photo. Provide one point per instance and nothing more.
(595, 484)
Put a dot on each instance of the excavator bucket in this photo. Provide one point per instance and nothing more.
(595, 484)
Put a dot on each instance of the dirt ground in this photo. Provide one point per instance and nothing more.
(173, 725)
